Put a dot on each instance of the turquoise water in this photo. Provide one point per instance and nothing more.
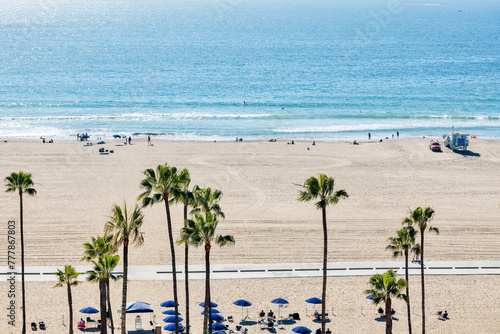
(220, 69)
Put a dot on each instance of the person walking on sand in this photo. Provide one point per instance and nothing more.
(129, 140)
(369, 136)
(149, 140)
(397, 134)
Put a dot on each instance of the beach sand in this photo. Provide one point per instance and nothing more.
(260, 180)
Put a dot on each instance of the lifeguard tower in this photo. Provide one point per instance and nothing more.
(457, 141)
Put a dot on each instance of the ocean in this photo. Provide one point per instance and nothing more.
(221, 69)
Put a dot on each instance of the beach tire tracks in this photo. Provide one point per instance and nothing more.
(260, 195)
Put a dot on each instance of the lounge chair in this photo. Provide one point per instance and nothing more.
(33, 326)
(230, 318)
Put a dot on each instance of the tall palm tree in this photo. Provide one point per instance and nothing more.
(201, 231)
(68, 277)
(183, 195)
(22, 183)
(126, 227)
(97, 247)
(401, 245)
(158, 186)
(102, 272)
(385, 287)
(207, 201)
(421, 218)
(322, 188)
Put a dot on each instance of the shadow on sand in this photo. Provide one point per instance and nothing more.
(468, 153)
(382, 319)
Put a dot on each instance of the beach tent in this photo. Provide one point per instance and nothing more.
(138, 307)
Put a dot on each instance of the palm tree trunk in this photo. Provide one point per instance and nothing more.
(186, 271)
(422, 277)
(70, 303)
(109, 307)
(174, 268)
(388, 316)
(325, 259)
(207, 288)
(407, 292)
(124, 291)
(102, 290)
(22, 261)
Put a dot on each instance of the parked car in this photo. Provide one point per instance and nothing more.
(434, 146)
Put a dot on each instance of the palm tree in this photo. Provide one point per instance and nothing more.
(97, 247)
(159, 186)
(102, 272)
(22, 183)
(207, 201)
(421, 217)
(201, 231)
(383, 289)
(401, 245)
(322, 188)
(127, 227)
(68, 277)
(183, 195)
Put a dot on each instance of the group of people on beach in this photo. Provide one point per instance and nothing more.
(46, 141)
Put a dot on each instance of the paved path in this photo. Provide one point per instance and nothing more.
(245, 271)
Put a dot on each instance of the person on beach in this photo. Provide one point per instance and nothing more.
(397, 134)
(369, 136)
(149, 140)
(129, 140)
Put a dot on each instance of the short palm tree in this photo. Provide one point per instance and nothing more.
(421, 218)
(159, 186)
(201, 231)
(22, 183)
(401, 245)
(68, 277)
(207, 200)
(102, 272)
(126, 228)
(385, 287)
(184, 195)
(98, 246)
(322, 188)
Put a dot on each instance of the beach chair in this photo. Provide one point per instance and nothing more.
(33, 326)
(230, 318)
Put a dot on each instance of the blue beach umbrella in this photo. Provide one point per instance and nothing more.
(280, 302)
(117, 136)
(212, 304)
(171, 318)
(101, 142)
(301, 330)
(217, 326)
(217, 317)
(243, 303)
(89, 310)
(369, 297)
(170, 312)
(85, 136)
(218, 332)
(171, 327)
(168, 303)
(214, 310)
(314, 300)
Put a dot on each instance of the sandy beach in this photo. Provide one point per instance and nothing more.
(260, 180)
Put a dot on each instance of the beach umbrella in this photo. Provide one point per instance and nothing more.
(85, 136)
(172, 319)
(369, 297)
(217, 326)
(168, 303)
(301, 330)
(214, 310)
(117, 136)
(218, 332)
(280, 302)
(212, 304)
(171, 327)
(217, 317)
(170, 312)
(89, 310)
(101, 142)
(314, 300)
(243, 303)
